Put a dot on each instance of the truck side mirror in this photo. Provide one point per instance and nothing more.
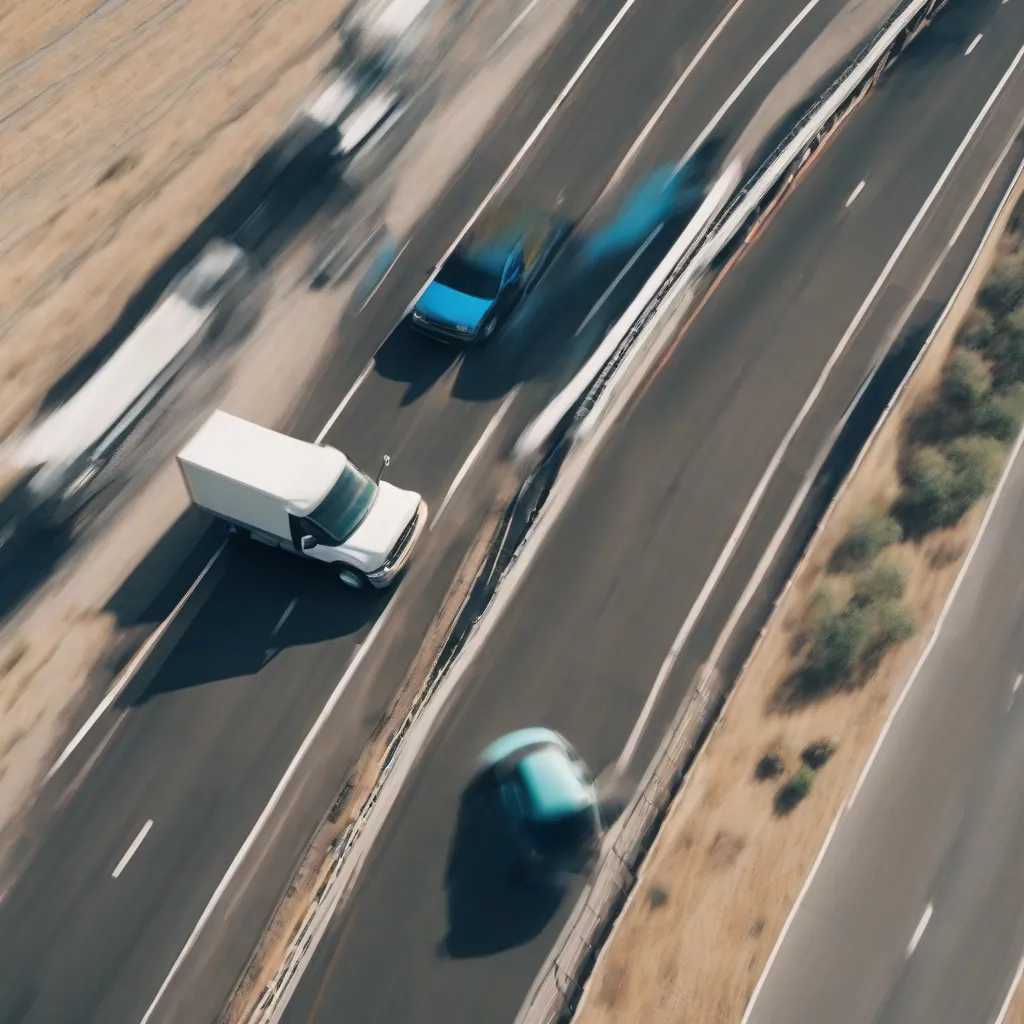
(384, 463)
(308, 543)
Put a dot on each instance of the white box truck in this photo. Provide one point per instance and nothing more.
(308, 499)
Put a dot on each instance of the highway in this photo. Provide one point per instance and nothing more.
(156, 805)
(916, 912)
(429, 931)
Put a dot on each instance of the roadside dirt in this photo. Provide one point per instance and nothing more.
(725, 869)
(123, 125)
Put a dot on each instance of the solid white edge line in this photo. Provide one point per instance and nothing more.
(130, 852)
(128, 672)
(919, 930)
(725, 556)
(639, 141)
(357, 658)
(475, 453)
(789, 920)
(618, 278)
(1015, 983)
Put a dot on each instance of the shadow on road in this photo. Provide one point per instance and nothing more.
(253, 604)
(490, 909)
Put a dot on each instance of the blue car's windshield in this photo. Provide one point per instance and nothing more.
(459, 274)
(347, 503)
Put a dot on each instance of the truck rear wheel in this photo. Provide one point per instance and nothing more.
(353, 578)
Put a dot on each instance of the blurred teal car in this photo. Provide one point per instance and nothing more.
(547, 797)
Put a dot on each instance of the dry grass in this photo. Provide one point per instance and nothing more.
(123, 126)
(707, 922)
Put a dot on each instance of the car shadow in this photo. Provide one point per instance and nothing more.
(490, 909)
(409, 358)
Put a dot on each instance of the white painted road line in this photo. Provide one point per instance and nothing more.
(284, 615)
(1017, 682)
(122, 681)
(856, 192)
(1015, 984)
(663, 106)
(383, 278)
(275, 798)
(130, 852)
(367, 370)
(919, 930)
(475, 453)
(974, 43)
(725, 556)
(747, 79)
(618, 278)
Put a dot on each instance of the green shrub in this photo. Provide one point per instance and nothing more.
(837, 643)
(770, 766)
(796, 789)
(976, 462)
(1004, 288)
(893, 626)
(977, 330)
(884, 582)
(966, 381)
(940, 487)
(868, 536)
(816, 755)
(1002, 415)
(1006, 349)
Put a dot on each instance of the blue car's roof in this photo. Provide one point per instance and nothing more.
(506, 745)
(552, 785)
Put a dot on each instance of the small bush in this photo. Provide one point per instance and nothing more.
(966, 381)
(868, 536)
(1004, 289)
(1002, 415)
(770, 766)
(884, 582)
(940, 487)
(928, 481)
(816, 755)
(796, 789)
(977, 462)
(977, 330)
(1006, 349)
(837, 644)
(893, 626)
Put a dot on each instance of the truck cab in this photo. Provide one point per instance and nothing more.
(308, 499)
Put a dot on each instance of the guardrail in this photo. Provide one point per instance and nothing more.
(727, 213)
(724, 215)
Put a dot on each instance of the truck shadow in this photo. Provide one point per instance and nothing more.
(252, 604)
(489, 909)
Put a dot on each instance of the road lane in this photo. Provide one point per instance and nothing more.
(203, 749)
(580, 645)
(938, 822)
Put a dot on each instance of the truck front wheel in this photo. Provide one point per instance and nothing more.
(353, 578)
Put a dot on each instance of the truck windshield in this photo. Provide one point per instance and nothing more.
(347, 503)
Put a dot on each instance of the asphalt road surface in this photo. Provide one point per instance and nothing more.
(429, 931)
(95, 921)
(917, 910)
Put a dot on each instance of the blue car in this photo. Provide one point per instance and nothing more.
(485, 278)
(547, 797)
